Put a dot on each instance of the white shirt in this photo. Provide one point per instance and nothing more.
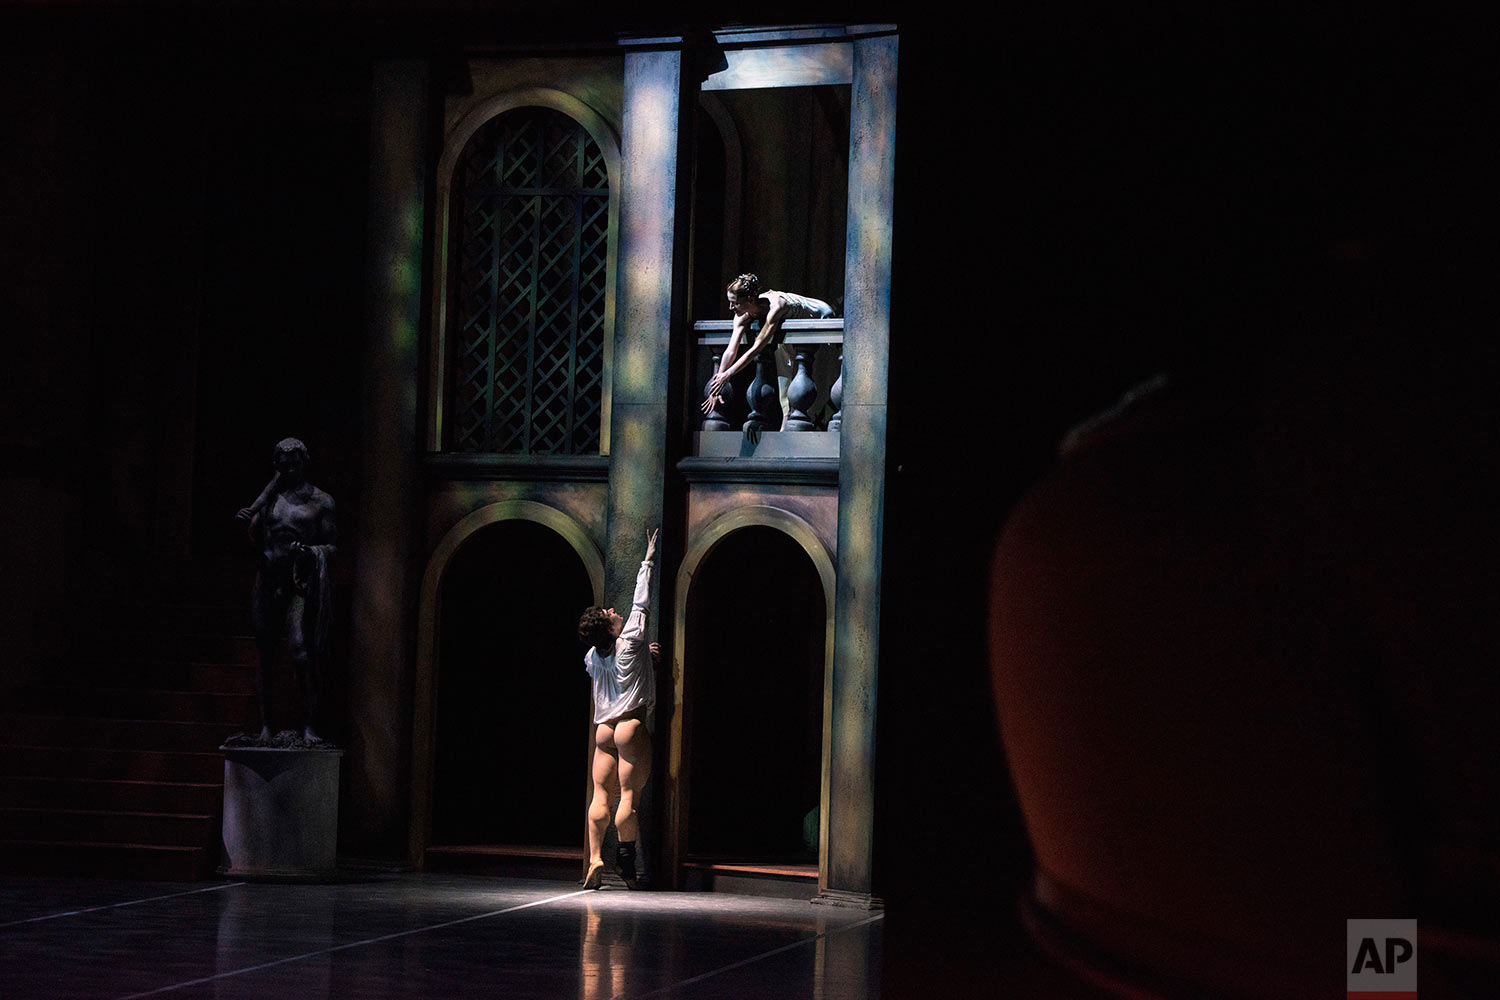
(625, 680)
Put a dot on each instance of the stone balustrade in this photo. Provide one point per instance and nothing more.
(817, 345)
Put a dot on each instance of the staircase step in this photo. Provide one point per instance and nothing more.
(102, 793)
(42, 761)
(109, 766)
(227, 576)
(783, 881)
(204, 617)
(169, 645)
(146, 862)
(73, 826)
(139, 734)
(235, 710)
(160, 675)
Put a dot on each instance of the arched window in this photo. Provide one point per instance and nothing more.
(530, 232)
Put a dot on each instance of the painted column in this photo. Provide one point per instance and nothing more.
(867, 302)
(654, 212)
(375, 795)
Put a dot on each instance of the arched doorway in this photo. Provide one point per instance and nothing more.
(511, 695)
(756, 631)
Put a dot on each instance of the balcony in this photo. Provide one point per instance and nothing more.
(814, 395)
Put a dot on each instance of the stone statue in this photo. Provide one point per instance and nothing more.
(294, 524)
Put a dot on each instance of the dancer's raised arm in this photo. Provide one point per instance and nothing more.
(635, 625)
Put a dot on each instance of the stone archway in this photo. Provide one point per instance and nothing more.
(700, 550)
(429, 631)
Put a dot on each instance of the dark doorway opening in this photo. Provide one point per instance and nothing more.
(771, 192)
(512, 696)
(755, 647)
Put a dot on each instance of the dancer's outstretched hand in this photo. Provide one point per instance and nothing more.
(651, 543)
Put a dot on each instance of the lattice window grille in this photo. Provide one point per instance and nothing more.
(532, 238)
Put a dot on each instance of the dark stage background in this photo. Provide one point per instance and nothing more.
(1082, 202)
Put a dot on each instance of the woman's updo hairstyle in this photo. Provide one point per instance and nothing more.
(745, 285)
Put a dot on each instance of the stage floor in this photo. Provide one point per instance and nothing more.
(423, 935)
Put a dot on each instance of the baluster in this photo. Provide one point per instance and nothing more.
(800, 395)
(716, 420)
(836, 397)
(764, 396)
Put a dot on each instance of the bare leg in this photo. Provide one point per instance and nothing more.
(786, 370)
(264, 617)
(304, 665)
(634, 742)
(265, 678)
(605, 776)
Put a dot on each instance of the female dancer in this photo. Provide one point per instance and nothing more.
(749, 303)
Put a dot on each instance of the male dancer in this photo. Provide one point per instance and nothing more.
(619, 663)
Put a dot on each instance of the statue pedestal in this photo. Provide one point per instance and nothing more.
(281, 813)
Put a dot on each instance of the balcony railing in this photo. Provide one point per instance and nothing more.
(814, 395)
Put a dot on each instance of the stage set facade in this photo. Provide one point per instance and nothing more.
(476, 261)
(545, 343)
